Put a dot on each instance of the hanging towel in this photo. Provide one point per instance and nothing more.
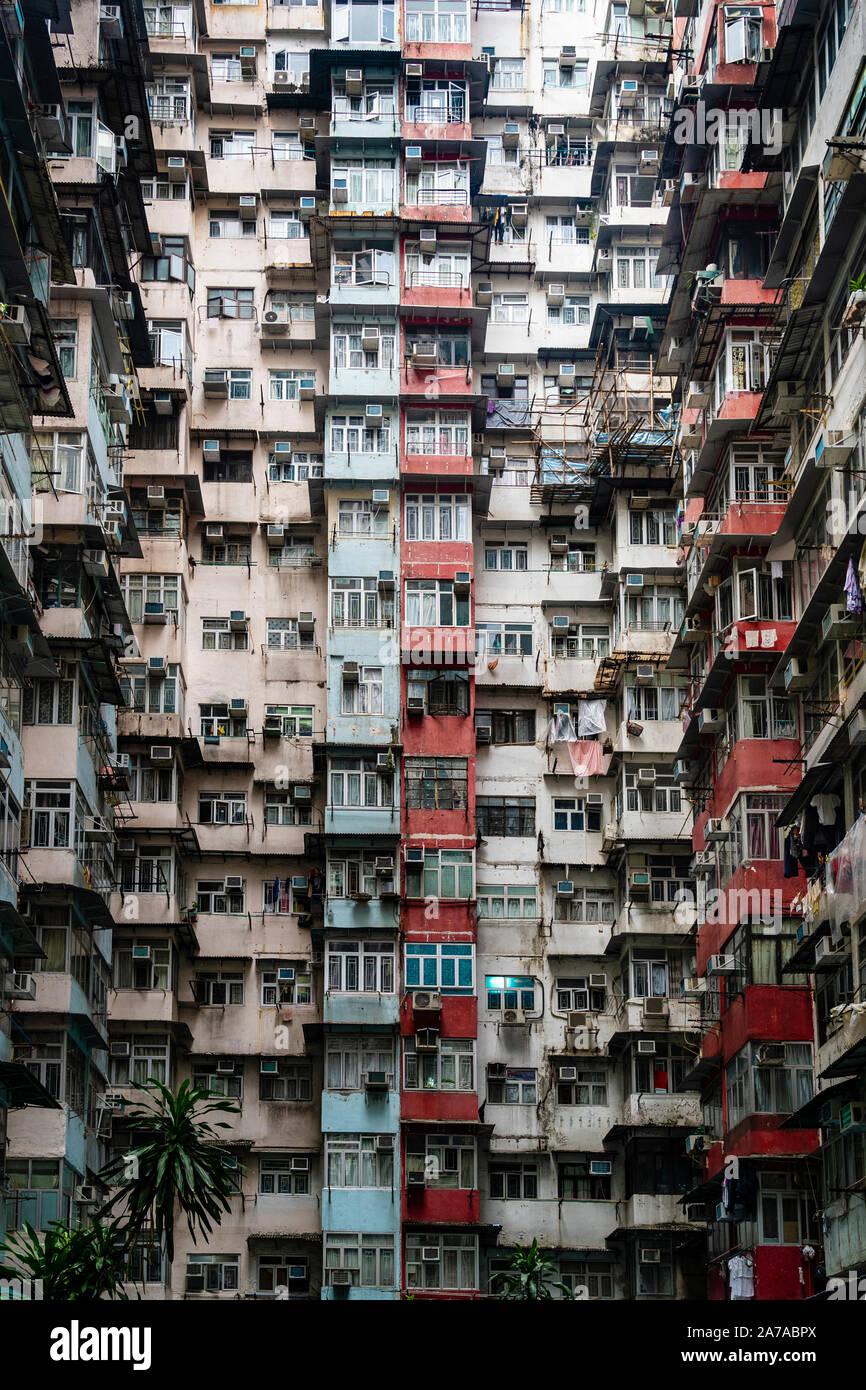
(587, 758)
(854, 603)
(590, 718)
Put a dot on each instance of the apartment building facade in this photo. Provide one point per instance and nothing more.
(438, 537)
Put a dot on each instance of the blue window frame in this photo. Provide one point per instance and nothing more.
(443, 966)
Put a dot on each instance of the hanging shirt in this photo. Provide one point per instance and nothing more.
(825, 804)
(741, 1272)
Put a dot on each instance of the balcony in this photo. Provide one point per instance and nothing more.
(372, 1010)
(437, 646)
(362, 820)
(436, 289)
(681, 1016)
(60, 997)
(668, 1112)
(646, 1211)
(147, 1006)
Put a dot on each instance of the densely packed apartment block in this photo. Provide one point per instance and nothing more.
(431, 650)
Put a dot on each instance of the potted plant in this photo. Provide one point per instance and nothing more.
(856, 306)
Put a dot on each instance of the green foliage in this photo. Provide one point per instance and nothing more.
(86, 1263)
(178, 1165)
(531, 1277)
(858, 285)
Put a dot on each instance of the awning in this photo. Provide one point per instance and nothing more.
(815, 779)
(22, 1088)
(808, 1115)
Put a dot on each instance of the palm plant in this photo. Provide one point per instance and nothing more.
(179, 1165)
(531, 1277)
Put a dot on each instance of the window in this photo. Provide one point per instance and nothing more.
(169, 344)
(512, 1181)
(226, 224)
(575, 1182)
(227, 1083)
(445, 966)
(283, 1177)
(364, 695)
(509, 308)
(508, 726)
(635, 265)
(656, 1277)
(743, 363)
(503, 639)
(222, 808)
(65, 335)
(151, 871)
(438, 182)
(651, 976)
(365, 967)
(575, 992)
(361, 518)
(216, 722)
(656, 526)
(142, 965)
(455, 1268)
(368, 1258)
(284, 635)
(298, 469)
(440, 101)
(297, 720)
(213, 1273)
(450, 1068)
(507, 73)
(360, 782)
(512, 902)
(368, 181)
(80, 128)
(169, 100)
(221, 896)
(372, 265)
(278, 895)
(786, 1216)
(573, 813)
(582, 642)
(662, 795)
(219, 987)
(276, 988)
(285, 1081)
(575, 307)
(433, 603)
(446, 1160)
(357, 1160)
(347, 1059)
(350, 434)
(445, 873)
(50, 701)
(502, 555)
(662, 1074)
(511, 1085)
(162, 191)
(757, 1085)
(510, 992)
(48, 817)
(590, 1088)
(218, 635)
(349, 350)
(451, 349)
(437, 21)
(284, 385)
(59, 455)
(283, 226)
(145, 589)
(439, 784)
(556, 76)
(437, 517)
(743, 33)
(295, 553)
(596, 1276)
(231, 303)
(437, 432)
(358, 603)
(232, 144)
(505, 815)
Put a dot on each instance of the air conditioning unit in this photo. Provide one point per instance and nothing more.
(354, 81)
(162, 403)
(15, 323)
(715, 830)
(650, 1257)
(306, 207)
(519, 214)
(210, 448)
(87, 1192)
(712, 720)
(567, 56)
(339, 1278)
(427, 1039)
(375, 1080)
(237, 620)
(634, 582)
(373, 412)
(771, 1054)
(800, 674)
(514, 1017)
(638, 884)
(414, 69)
(307, 388)
(578, 1020)
(275, 535)
(721, 965)
(50, 118)
(484, 292)
(381, 498)
(412, 157)
(598, 981)
(306, 621)
(176, 168)
(628, 92)
(645, 674)
(125, 847)
(156, 667)
(414, 854)
(307, 125)
(161, 753)
(684, 771)
(789, 398)
(155, 496)
(462, 581)
(826, 950)
(600, 1167)
(649, 161)
(385, 1143)
(213, 531)
(604, 262)
(566, 374)
(655, 1007)
(272, 724)
(568, 1073)
(430, 1254)
(415, 704)
(427, 1001)
(646, 776)
(556, 129)
(425, 355)
(556, 294)
(699, 395)
(510, 135)
(565, 888)
(340, 191)
(852, 1119)
(427, 238)
(505, 374)
(370, 337)
(645, 1048)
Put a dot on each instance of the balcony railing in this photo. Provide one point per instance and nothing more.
(441, 279)
(445, 197)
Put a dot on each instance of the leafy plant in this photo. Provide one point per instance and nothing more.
(859, 285)
(84, 1263)
(531, 1277)
(178, 1166)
